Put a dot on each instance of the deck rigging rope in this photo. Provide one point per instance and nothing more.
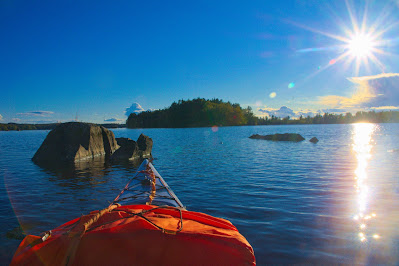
(148, 171)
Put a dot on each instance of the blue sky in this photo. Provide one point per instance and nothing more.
(94, 59)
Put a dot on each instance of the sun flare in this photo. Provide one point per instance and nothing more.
(363, 42)
(361, 46)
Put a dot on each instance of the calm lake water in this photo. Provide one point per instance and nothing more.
(334, 202)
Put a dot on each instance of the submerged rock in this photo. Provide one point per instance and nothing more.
(74, 141)
(314, 140)
(279, 137)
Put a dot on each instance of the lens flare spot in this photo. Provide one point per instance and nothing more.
(272, 95)
(215, 128)
(291, 85)
(375, 236)
(362, 226)
(332, 62)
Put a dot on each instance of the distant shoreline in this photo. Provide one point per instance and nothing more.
(21, 127)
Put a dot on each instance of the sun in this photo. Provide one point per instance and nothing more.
(361, 46)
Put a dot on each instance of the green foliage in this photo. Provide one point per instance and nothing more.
(194, 113)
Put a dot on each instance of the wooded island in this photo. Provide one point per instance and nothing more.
(204, 113)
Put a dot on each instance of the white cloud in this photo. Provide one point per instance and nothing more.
(113, 120)
(1, 117)
(134, 108)
(285, 111)
(36, 113)
(305, 113)
(372, 92)
(42, 122)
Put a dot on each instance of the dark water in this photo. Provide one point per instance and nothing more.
(334, 202)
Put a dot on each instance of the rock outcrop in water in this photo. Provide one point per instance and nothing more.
(132, 150)
(314, 140)
(74, 142)
(279, 137)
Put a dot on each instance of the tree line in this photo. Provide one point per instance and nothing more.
(18, 127)
(328, 118)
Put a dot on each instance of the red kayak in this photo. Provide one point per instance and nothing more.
(146, 224)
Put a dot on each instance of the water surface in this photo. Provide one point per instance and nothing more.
(333, 202)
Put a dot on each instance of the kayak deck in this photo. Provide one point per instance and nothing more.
(147, 187)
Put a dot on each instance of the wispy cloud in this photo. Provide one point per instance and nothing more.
(36, 113)
(134, 108)
(29, 121)
(372, 92)
(113, 120)
(1, 117)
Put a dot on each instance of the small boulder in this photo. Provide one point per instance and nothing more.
(145, 146)
(132, 150)
(128, 150)
(279, 137)
(314, 140)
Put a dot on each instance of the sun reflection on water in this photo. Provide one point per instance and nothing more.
(362, 138)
